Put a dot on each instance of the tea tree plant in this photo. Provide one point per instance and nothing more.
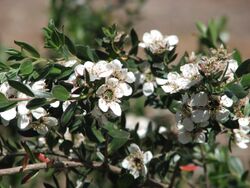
(68, 115)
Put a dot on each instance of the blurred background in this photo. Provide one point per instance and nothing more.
(24, 20)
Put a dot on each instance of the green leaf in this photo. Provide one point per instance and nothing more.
(60, 93)
(98, 134)
(212, 32)
(21, 87)
(28, 48)
(68, 114)
(202, 28)
(86, 53)
(134, 41)
(235, 166)
(29, 152)
(35, 103)
(5, 104)
(237, 56)
(4, 67)
(115, 144)
(244, 68)
(116, 133)
(26, 68)
(237, 90)
(245, 81)
(30, 176)
(70, 45)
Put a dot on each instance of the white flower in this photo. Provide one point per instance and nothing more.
(96, 71)
(191, 72)
(175, 82)
(123, 75)
(184, 136)
(232, 67)
(25, 115)
(109, 94)
(244, 124)
(157, 43)
(148, 88)
(200, 116)
(222, 115)
(199, 99)
(136, 161)
(9, 114)
(43, 124)
(226, 101)
(241, 138)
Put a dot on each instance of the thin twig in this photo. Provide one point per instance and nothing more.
(171, 185)
(70, 164)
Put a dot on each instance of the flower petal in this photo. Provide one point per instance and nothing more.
(103, 105)
(115, 107)
(38, 113)
(148, 88)
(147, 156)
(9, 114)
(23, 122)
(133, 148)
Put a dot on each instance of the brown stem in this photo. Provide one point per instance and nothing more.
(70, 164)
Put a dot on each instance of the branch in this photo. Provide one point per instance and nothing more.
(70, 164)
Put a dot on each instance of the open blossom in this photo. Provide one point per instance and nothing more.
(157, 43)
(124, 76)
(136, 161)
(109, 94)
(194, 114)
(43, 124)
(191, 72)
(174, 83)
(9, 114)
(96, 71)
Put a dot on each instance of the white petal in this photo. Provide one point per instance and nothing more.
(161, 81)
(222, 115)
(115, 107)
(126, 89)
(39, 112)
(156, 35)
(50, 121)
(147, 156)
(188, 124)
(242, 145)
(112, 82)
(134, 148)
(199, 116)
(184, 137)
(23, 122)
(55, 104)
(134, 172)
(168, 89)
(200, 138)
(147, 38)
(79, 70)
(39, 85)
(199, 99)
(119, 92)
(148, 88)
(126, 164)
(9, 114)
(70, 63)
(172, 40)
(103, 105)
(65, 105)
(226, 101)
(243, 121)
(21, 108)
(130, 77)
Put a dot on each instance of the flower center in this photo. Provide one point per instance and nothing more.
(108, 95)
